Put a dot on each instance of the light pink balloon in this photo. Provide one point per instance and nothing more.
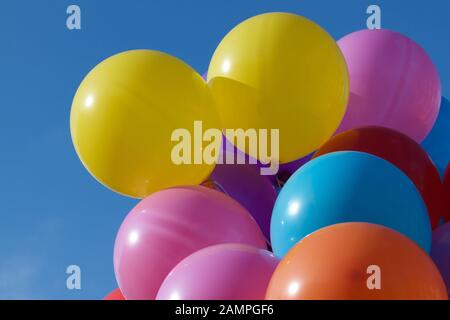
(168, 226)
(393, 83)
(222, 272)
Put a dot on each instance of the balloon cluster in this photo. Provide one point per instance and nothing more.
(359, 195)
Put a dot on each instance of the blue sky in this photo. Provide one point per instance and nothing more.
(52, 212)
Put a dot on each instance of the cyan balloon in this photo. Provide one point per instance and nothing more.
(437, 144)
(348, 187)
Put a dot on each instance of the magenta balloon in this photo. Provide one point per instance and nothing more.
(169, 225)
(393, 83)
(222, 272)
(440, 252)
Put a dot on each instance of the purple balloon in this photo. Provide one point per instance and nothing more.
(440, 252)
(222, 272)
(229, 149)
(285, 171)
(253, 191)
(288, 169)
(168, 226)
(245, 184)
(393, 83)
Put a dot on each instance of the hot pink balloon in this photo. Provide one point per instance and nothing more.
(393, 83)
(168, 226)
(222, 272)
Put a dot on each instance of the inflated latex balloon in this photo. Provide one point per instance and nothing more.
(229, 153)
(440, 252)
(115, 295)
(240, 157)
(244, 183)
(123, 117)
(356, 261)
(401, 151)
(288, 169)
(347, 187)
(393, 83)
(222, 272)
(437, 143)
(447, 194)
(281, 71)
(168, 226)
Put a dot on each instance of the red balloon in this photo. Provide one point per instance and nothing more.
(401, 151)
(115, 295)
(447, 194)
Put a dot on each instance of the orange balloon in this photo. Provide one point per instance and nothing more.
(356, 261)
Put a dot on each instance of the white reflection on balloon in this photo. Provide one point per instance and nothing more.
(89, 102)
(133, 237)
(175, 296)
(226, 66)
(293, 288)
(293, 208)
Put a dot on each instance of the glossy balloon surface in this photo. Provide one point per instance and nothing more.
(347, 186)
(437, 143)
(440, 251)
(244, 183)
(393, 83)
(168, 226)
(222, 272)
(115, 295)
(401, 151)
(281, 71)
(123, 117)
(447, 194)
(356, 261)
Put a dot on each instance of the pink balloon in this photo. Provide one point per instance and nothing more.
(393, 83)
(222, 272)
(168, 226)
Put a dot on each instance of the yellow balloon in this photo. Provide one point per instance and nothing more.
(123, 116)
(281, 71)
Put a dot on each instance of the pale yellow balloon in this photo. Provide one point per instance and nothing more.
(123, 116)
(281, 71)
